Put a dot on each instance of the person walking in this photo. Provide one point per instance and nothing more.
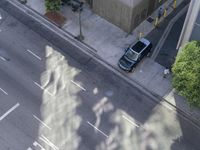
(160, 12)
(166, 72)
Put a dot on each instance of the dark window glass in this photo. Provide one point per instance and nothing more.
(138, 47)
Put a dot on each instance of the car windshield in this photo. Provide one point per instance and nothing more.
(131, 55)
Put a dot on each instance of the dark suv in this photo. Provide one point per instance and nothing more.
(134, 54)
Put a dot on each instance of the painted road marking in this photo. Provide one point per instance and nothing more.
(43, 88)
(133, 123)
(36, 144)
(4, 91)
(41, 122)
(34, 54)
(9, 111)
(2, 58)
(78, 85)
(47, 141)
(97, 129)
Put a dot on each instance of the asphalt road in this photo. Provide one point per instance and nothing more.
(168, 52)
(49, 101)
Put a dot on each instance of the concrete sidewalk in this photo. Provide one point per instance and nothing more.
(109, 42)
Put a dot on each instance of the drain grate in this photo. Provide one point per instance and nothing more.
(150, 19)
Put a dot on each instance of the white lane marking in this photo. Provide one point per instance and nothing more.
(133, 123)
(3, 91)
(36, 144)
(47, 141)
(41, 122)
(43, 88)
(34, 54)
(9, 111)
(97, 129)
(2, 58)
(78, 85)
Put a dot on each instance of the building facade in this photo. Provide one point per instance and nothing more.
(126, 14)
(191, 27)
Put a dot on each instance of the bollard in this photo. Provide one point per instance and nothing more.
(140, 35)
(174, 5)
(156, 22)
(165, 13)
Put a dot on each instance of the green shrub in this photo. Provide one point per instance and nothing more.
(186, 73)
(52, 5)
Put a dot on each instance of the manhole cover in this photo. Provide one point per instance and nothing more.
(150, 19)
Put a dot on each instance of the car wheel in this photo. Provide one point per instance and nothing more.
(132, 70)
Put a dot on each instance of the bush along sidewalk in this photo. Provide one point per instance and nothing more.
(52, 12)
(186, 73)
(52, 5)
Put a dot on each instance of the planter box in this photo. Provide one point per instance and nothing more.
(56, 18)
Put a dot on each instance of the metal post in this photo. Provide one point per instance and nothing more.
(174, 4)
(80, 37)
(165, 13)
(156, 22)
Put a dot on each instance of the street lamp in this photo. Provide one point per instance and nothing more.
(80, 37)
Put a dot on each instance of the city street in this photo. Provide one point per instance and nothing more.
(50, 101)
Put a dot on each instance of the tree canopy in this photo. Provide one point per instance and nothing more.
(186, 73)
(53, 5)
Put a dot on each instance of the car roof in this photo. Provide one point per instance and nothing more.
(139, 46)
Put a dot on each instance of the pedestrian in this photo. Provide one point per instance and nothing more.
(160, 12)
(166, 72)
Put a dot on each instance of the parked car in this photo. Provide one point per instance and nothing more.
(134, 54)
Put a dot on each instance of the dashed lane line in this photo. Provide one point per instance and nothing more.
(78, 85)
(130, 121)
(2, 58)
(42, 122)
(34, 54)
(47, 141)
(9, 111)
(4, 91)
(43, 88)
(97, 129)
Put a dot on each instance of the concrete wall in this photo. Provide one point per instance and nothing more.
(117, 12)
(139, 13)
(195, 35)
(191, 27)
(126, 14)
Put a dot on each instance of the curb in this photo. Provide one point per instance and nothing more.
(87, 53)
